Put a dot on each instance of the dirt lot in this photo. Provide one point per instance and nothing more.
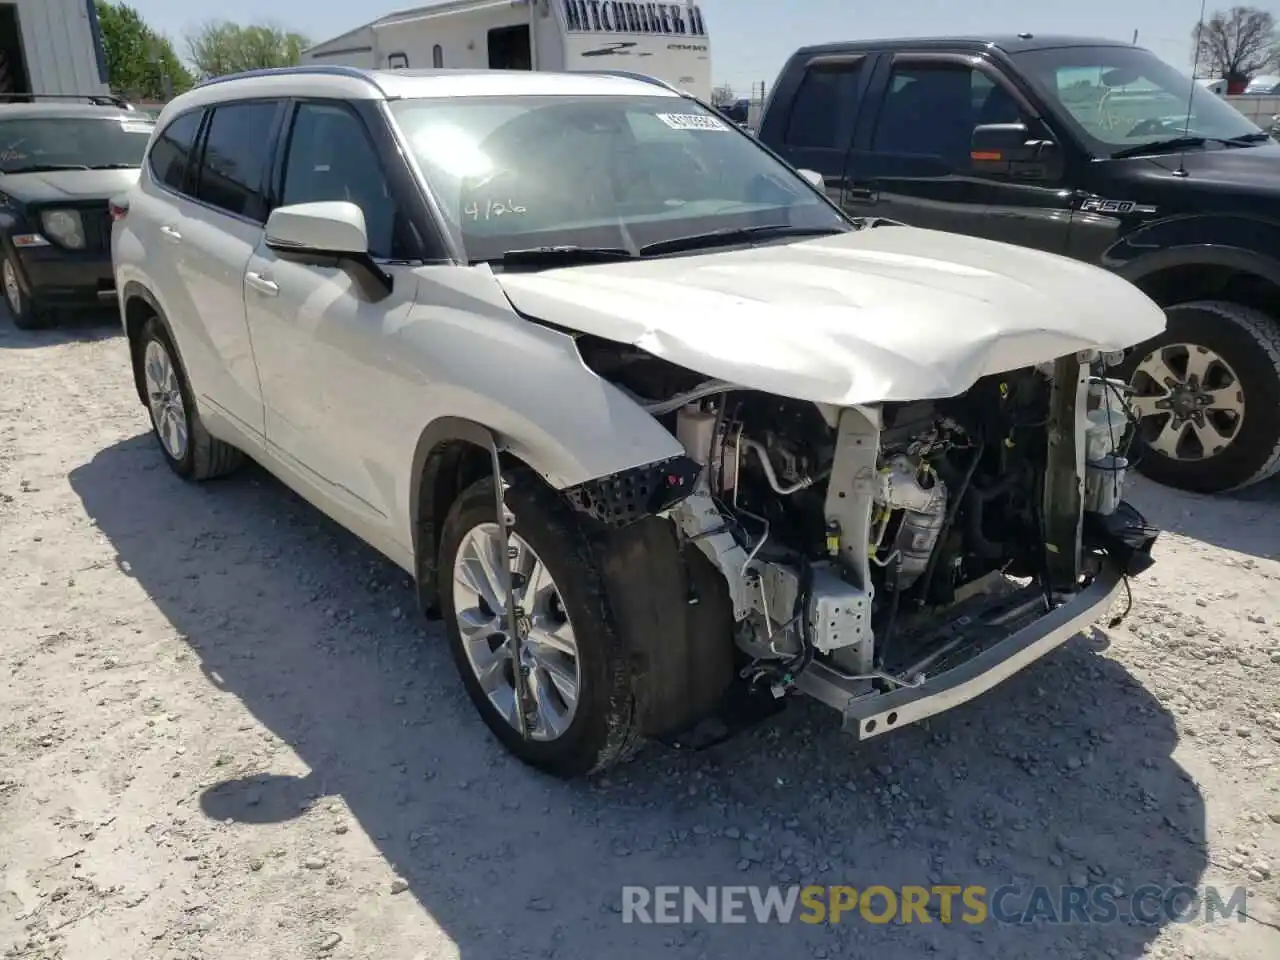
(226, 733)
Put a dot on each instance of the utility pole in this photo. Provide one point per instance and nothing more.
(166, 81)
(1135, 38)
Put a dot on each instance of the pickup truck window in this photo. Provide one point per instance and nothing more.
(513, 173)
(931, 110)
(824, 93)
(1118, 98)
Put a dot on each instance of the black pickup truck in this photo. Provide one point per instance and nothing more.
(1092, 149)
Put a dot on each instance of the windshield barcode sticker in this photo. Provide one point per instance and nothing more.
(691, 121)
(129, 126)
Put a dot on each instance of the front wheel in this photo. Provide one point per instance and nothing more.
(1207, 398)
(581, 713)
(26, 316)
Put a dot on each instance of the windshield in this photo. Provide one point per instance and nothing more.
(623, 172)
(42, 143)
(1122, 97)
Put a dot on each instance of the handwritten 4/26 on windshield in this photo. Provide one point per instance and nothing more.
(492, 209)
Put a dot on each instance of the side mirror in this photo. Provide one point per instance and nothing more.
(332, 228)
(325, 231)
(814, 177)
(1009, 150)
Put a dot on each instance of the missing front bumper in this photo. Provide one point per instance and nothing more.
(871, 714)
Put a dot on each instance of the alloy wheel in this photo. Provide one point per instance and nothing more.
(164, 397)
(548, 649)
(1188, 401)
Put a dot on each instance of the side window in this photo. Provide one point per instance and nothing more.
(237, 150)
(171, 153)
(931, 110)
(332, 158)
(821, 113)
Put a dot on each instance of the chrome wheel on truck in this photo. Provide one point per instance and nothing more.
(1207, 398)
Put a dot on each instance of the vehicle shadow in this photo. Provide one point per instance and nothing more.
(1245, 521)
(1062, 776)
(81, 327)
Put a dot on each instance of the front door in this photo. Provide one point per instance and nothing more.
(328, 383)
(912, 158)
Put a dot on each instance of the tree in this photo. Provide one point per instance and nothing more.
(220, 47)
(1235, 46)
(140, 62)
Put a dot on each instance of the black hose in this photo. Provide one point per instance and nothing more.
(979, 497)
(882, 648)
(948, 522)
(797, 665)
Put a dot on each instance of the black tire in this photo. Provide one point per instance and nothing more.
(604, 728)
(1249, 342)
(26, 315)
(206, 457)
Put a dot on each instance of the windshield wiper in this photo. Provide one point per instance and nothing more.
(115, 166)
(732, 235)
(562, 255)
(46, 168)
(1181, 143)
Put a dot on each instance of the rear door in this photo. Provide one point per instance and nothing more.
(912, 154)
(218, 235)
(817, 109)
(160, 207)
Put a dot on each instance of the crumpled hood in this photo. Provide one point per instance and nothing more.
(885, 314)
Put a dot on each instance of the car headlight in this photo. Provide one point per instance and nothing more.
(64, 226)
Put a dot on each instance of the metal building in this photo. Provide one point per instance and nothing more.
(51, 47)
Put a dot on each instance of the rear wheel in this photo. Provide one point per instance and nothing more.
(582, 717)
(24, 312)
(188, 448)
(1207, 398)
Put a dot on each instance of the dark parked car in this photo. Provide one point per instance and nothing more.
(1096, 150)
(61, 161)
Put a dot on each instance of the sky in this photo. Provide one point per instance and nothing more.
(750, 39)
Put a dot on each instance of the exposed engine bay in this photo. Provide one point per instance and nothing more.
(875, 546)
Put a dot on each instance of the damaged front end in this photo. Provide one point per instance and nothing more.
(896, 560)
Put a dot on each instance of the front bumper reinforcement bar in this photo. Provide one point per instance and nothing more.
(869, 715)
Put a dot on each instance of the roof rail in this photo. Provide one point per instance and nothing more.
(631, 75)
(97, 99)
(325, 69)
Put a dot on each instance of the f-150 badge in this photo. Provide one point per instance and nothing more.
(1119, 207)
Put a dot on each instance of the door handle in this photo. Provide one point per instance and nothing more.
(263, 285)
(171, 234)
(861, 193)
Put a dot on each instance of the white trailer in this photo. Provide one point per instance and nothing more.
(51, 47)
(667, 41)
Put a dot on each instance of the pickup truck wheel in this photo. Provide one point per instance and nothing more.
(577, 668)
(25, 314)
(188, 448)
(1207, 398)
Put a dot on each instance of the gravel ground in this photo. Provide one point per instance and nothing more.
(226, 733)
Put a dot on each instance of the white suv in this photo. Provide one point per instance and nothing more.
(743, 443)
